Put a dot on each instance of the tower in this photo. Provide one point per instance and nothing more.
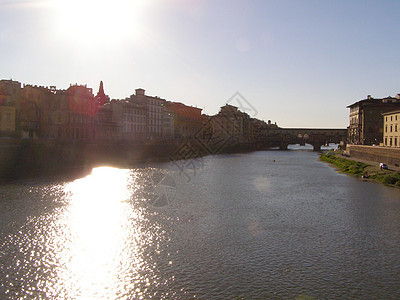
(101, 97)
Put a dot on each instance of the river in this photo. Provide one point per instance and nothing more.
(268, 224)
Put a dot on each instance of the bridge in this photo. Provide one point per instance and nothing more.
(283, 137)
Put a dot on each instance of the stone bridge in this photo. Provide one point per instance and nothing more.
(282, 137)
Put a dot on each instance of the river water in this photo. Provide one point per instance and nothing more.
(271, 224)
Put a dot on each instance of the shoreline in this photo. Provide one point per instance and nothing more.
(53, 169)
(358, 169)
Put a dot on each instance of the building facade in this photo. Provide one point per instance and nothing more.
(366, 121)
(231, 123)
(168, 124)
(7, 119)
(106, 129)
(10, 93)
(35, 103)
(391, 129)
(187, 119)
(154, 106)
(132, 119)
(71, 114)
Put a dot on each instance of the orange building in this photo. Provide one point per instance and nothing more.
(187, 119)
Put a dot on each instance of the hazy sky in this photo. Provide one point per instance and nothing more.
(299, 63)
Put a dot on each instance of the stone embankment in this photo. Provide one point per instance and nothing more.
(30, 158)
(390, 156)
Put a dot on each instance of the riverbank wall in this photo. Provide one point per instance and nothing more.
(29, 158)
(390, 156)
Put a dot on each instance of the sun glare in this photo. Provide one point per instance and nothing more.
(97, 20)
(99, 237)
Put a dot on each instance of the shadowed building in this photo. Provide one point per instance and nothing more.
(10, 93)
(154, 106)
(366, 121)
(131, 117)
(71, 114)
(231, 123)
(106, 129)
(168, 123)
(187, 119)
(35, 105)
(7, 119)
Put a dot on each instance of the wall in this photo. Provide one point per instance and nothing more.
(387, 155)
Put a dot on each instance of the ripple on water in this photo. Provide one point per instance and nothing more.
(242, 227)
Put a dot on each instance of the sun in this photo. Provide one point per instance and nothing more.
(97, 20)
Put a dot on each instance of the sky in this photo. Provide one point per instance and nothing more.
(297, 63)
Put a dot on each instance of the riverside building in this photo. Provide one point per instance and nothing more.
(154, 106)
(391, 129)
(366, 121)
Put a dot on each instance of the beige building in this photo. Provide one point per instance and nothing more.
(7, 118)
(155, 107)
(131, 117)
(391, 129)
(10, 93)
(168, 124)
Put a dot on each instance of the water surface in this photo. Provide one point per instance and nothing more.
(272, 224)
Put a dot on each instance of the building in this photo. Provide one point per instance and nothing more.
(35, 102)
(231, 123)
(154, 106)
(10, 93)
(106, 129)
(366, 121)
(168, 124)
(7, 119)
(187, 119)
(256, 129)
(132, 119)
(391, 129)
(70, 114)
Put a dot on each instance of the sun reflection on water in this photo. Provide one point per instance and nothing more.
(102, 236)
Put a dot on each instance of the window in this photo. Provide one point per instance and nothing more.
(391, 127)
(395, 142)
(385, 141)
